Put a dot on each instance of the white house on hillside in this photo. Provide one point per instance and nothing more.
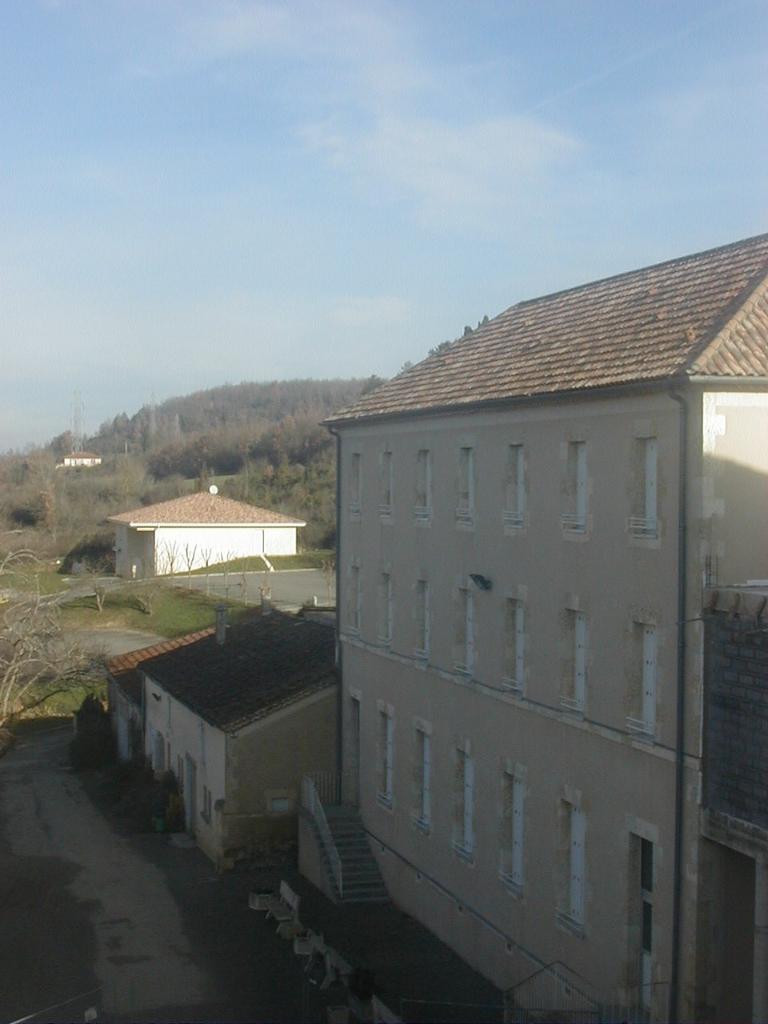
(197, 530)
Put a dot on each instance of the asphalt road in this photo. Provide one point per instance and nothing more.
(132, 925)
(289, 588)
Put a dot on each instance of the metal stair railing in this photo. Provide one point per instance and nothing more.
(310, 798)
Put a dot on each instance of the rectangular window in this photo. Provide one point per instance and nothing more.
(385, 608)
(574, 518)
(644, 521)
(180, 772)
(514, 644)
(355, 485)
(465, 506)
(644, 718)
(422, 618)
(575, 694)
(385, 504)
(512, 831)
(514, 505)
(577, 861)
(464, 648)
(386, 756)
(423, 507)
(464, 830)
(646, 881)
(424, 768)
(354, 597)
(206, 810)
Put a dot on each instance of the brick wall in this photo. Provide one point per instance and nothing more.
(736, 717)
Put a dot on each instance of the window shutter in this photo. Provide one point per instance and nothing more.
(576, 909)
(469, 802)
(519, 643)
(518, 796)
(388, 755)
(579, 657)
(649, 675)
(426, 781)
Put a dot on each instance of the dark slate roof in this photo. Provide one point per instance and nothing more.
(125, 668)
(265, 664)
(700, 315)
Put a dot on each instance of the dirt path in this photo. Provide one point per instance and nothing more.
(81, 908)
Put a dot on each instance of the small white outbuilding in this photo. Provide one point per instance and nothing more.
(197, 530)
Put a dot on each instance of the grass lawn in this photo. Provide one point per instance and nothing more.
(33, 578)
(306, 560)
(174, 612)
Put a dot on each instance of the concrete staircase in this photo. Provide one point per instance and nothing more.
(361, 877)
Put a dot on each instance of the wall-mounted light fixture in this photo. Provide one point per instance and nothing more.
(480, 581)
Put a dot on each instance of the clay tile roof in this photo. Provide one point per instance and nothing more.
(203, 509)
(705, 314)
(266, 663)
(124, 667)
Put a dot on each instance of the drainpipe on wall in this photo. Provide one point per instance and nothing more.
(682, 593)
(339, 697)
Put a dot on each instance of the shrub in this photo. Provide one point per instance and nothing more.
(93, 745)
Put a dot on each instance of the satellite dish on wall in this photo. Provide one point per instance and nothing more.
(213, 489)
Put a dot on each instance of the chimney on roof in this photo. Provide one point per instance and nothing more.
(221, 624)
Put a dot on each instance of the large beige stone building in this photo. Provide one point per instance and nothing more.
(527, 521)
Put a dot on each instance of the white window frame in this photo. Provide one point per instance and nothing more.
(576, 864)
(465, 503)
(422, 511)
(511, 860)
(646, 524)
(464, 843)
(514, 631)
(424, 812)
(356, 597)
(387, 755)
(423, 612)
(575, 520)
(576, 701)
(649, 655)
(466, 662)
(515, 496)
(386, 610)
(387, 484)
(355, 484)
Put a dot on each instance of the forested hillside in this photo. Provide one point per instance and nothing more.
(261, 443)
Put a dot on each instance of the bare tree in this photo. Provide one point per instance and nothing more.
(207, 554)
(36, 660)
(190, 554)
(169, 558)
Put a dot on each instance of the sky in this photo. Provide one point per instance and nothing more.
(199, 192)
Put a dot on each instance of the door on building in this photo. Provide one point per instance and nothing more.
(190, 794)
